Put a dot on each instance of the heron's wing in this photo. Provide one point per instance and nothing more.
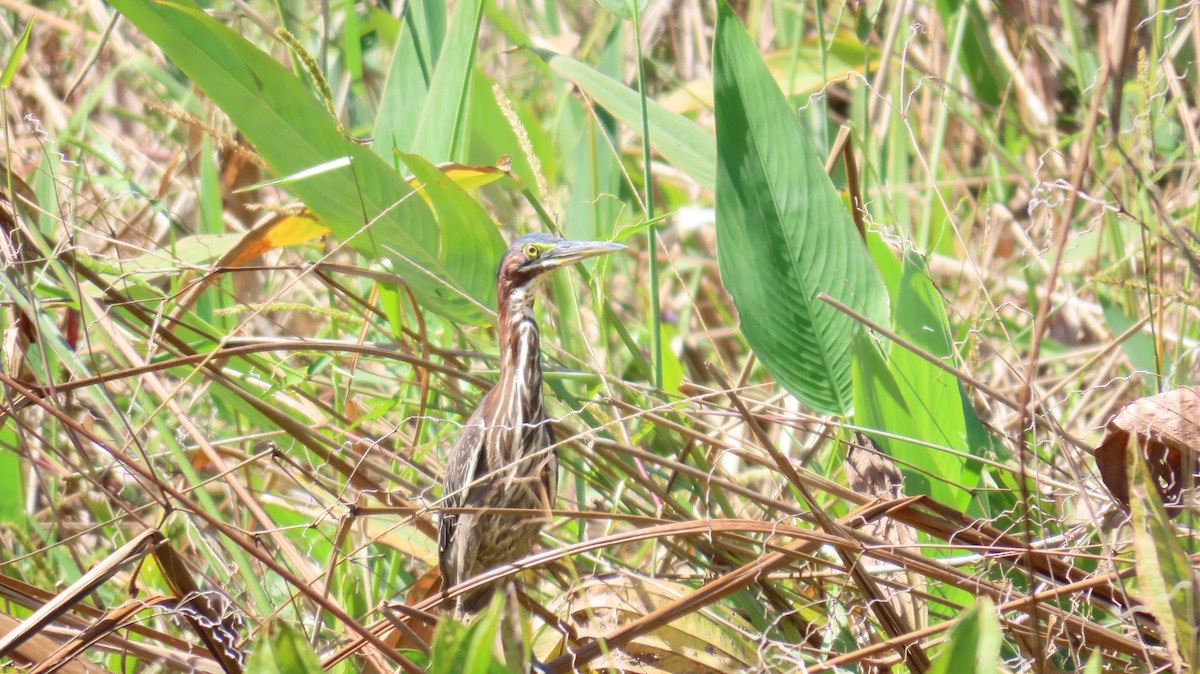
(464, 464)
(550, 472)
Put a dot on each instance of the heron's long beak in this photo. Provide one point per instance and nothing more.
(569, 252)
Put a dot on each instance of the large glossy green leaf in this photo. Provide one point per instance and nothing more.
(1166, 579)
(783, 235)
(974, 645)
(903, 396)
(293, 132)
(678, 139)
(284, 651)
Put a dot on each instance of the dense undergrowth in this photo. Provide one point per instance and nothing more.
(837, 423)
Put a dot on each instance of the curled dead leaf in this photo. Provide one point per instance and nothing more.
(1166, 427)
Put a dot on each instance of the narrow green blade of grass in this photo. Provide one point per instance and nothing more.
(974, 646)
(284, 651)
(409, 77)
(14, 59)
(12, 482)
(1166, 580)
(625, 9)
(783, 235)
(681, 141)
(444, 124)
(293, 132)
(977, 58)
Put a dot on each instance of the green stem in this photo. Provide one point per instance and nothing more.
(651, 233)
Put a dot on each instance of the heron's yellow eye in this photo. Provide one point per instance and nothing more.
(532, 252)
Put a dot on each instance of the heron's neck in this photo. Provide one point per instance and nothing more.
(520, 345)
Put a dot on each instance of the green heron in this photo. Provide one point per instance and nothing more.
(502, 458)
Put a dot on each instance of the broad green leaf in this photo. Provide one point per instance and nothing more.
(453, 205)
(283, 651)
(974, 645)
(931, 405)
(480, 647)
(364, 204)
(407, 85)
(783, 235)
(14, 59)
(879, 404)
(678, 139)
(939, 409)
(445, 121)
(1166, 580)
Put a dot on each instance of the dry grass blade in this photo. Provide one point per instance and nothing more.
(62, 658)
(137, 548)
(39, 648)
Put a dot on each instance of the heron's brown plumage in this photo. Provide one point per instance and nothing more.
(504, 457)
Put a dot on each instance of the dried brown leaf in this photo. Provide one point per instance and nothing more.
(1167, 429)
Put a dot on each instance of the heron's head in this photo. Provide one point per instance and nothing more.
(534, 255)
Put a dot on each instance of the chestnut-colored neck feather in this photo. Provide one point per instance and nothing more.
(520, 346)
